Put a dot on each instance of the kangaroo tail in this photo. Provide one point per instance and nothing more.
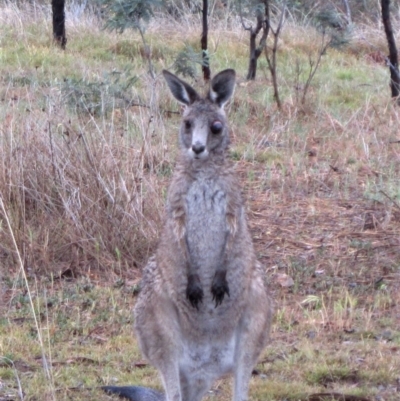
(135, 393)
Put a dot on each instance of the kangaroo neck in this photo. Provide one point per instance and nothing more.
(197, 168)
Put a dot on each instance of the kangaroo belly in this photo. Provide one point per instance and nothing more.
(208, 358)
(206, 223)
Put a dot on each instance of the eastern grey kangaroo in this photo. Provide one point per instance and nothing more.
(203, 310)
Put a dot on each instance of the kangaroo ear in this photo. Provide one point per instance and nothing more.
(222, 86)
(181, 91)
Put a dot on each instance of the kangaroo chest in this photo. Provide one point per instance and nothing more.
(206, 226)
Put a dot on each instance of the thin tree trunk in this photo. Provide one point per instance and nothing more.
(251, 73)
(204, 47)
(59, 22)
(254, 50)
(393, 57)
(348, 11)
(271, 61)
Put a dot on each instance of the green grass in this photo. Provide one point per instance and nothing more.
(88, 343)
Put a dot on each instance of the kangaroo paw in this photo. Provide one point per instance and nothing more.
(194, 291)
(219, 287)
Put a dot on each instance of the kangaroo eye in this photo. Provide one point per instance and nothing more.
(216, 127)
(188, 124)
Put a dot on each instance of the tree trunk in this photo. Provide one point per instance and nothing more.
(272, 60)
(348, 11)
(206, 59)
(254, 51)
(59, 22)
(393, 58)
(252, 71)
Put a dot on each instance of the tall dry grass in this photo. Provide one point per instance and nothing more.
(81, 191)
(77, 199)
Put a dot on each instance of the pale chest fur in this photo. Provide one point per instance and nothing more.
(206, 224)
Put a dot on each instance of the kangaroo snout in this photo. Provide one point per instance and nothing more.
(198, 148)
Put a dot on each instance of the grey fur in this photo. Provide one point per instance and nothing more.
(203, 311)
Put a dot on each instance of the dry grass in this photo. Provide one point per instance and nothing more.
(86, 155)
(78, 199)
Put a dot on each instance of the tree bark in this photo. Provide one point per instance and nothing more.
(393, 56)
(348, 11)
(204, 46)
(59, 22)
(255, 52)
(271, 59)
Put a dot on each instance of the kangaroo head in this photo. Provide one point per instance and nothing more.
(204, 129)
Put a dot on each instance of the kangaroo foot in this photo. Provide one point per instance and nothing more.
(194, 291)
(219, 287)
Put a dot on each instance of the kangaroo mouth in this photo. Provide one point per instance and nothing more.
(199, 156)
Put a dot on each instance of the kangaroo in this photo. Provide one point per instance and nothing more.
(203, 311)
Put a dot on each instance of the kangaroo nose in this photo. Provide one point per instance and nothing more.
(198, 148)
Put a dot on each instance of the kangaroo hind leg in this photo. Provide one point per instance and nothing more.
(193, 388)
